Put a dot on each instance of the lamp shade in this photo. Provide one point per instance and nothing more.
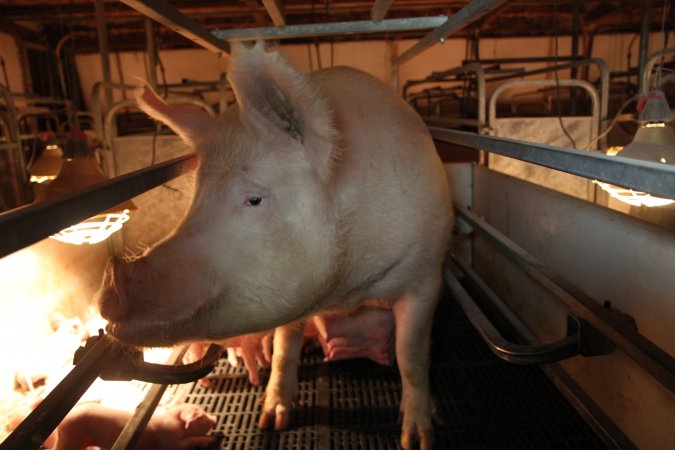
(78, 170)
(652, 142)
(48, 164)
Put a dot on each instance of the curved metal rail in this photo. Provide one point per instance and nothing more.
(649, 67)
(595, 99)
(622, 334)
(105, 354)
(508, 351)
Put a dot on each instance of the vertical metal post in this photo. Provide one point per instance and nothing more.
(645, 23)
(102, 31)
(151, 50)
(393, 71)
(380, 9)
(17, 163)
(576, 29)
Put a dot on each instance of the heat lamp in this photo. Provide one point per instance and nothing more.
(47, 166)
(79, 169)
(654, 141)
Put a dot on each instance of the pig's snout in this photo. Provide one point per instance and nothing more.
(113, 301)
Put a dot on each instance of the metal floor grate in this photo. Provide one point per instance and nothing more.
(482, 402)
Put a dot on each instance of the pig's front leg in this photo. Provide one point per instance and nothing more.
(282, 388)
(413, 313)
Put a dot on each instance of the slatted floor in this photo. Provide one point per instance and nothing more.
(482, 402)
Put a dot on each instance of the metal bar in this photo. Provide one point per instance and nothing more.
(17, 163)
(29, 224)
(602, 424)
(103, 48)
(526, 60)
(471, 12)
(450, 122)
(274, 9)
(109, 122)
(649, 66)
(508, 351)
(132, 431)
(151, 52)
(595, 115)
(576, 28)
(604, 78)
(40, 423)
(645, 23)
(328, 29)
(170, 17)
(608, 431)
(648, 355)
(380, 9)
(656, 179)
(480, 86)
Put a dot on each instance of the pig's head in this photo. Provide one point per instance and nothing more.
(259, 245)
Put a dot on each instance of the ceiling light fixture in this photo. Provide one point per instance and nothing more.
(654, 141)
(47, 166)
(78, 170)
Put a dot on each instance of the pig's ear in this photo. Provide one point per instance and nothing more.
(275, 97)
(187, 122)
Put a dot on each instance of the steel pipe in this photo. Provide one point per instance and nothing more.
(29, 224)
(380, 9)
(275, 10)
(604, 79)
(170, 17)
(131, 432)
(656, 179)
(532, 354)
(328, 29)
(644, 352)
(471, 12)
(465, 69)
(649, 67)
(46, 416)
(595, 115)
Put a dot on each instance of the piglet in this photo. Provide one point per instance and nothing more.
(316, 193)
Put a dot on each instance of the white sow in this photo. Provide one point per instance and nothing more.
(316, 193)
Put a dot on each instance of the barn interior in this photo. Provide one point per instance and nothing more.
(555, 327)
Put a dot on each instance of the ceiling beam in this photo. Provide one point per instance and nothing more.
(274, 9)
(471, 12)
(170, 17)
(329, 29)
(380, 9)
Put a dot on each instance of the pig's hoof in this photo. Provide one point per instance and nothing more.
(425, 437)
(277, 407)
(278, 414)
(416, 427)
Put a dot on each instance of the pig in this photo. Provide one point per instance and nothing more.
(315, 193)
(363, 333)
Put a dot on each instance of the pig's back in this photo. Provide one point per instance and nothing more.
(391, 186)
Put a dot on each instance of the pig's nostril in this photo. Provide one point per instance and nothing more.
(112, 297)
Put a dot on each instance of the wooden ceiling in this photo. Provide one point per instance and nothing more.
(47, 21)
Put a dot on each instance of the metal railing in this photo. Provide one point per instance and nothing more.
(593, 94)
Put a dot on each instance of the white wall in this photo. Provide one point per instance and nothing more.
(373, 57)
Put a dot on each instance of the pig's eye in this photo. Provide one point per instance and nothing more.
(253, 200)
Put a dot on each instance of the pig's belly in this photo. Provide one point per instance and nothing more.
(366, 332)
